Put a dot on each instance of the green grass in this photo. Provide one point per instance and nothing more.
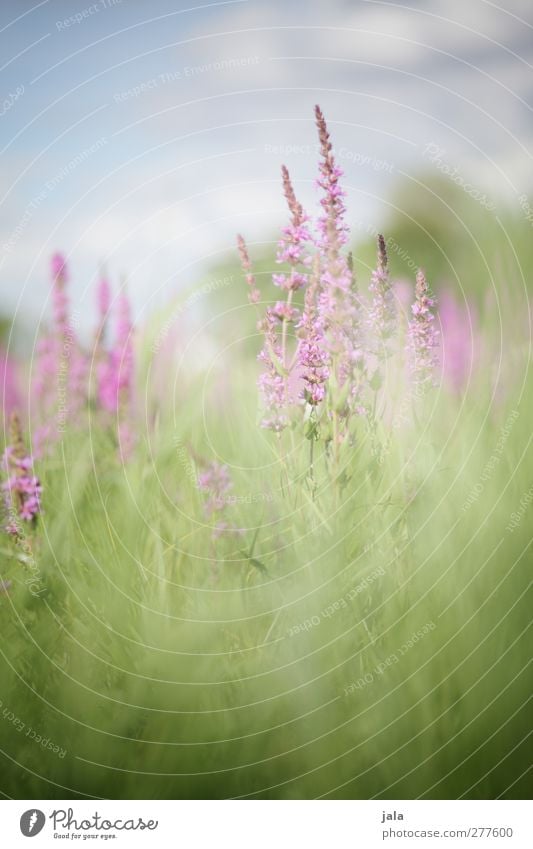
(168, 664)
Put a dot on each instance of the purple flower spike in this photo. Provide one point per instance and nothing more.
(423, 338)
(21, 489)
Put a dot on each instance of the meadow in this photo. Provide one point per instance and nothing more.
(302, 574)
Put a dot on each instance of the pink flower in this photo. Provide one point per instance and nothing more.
(9, 395)
(292, 245)
(254, 295)
(116, 375)
(423, 338)
(58, 267)
(338, 302)
(22, 489)
(61, 378)
(313, 359)
(333, 231)
(382, 318)
(216, 482)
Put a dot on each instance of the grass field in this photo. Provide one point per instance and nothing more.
(351, 623)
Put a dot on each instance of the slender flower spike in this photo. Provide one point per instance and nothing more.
(423, 338)
(9, 394)
(333, 231)
(215, 481)
(103, 293)
(123, 366)
(59, 295)
(62, 369)
(382, 317)
(273, 382)
(254, 294)
(22, 489)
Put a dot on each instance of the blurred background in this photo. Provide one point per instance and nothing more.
(142, 137)
(145, 135)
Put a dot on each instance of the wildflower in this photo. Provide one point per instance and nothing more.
(332, 229)
(215, 480)
(116, 375)
(312, 358)
(457, 352)
(116, 371)
(422, 336)
(284, 311)
(382, 317)
(22, 489)
(338, 302)
(62, 369)
(103, 294)
(124, 348)
(273, 381)
(9, 395)
(254, 295)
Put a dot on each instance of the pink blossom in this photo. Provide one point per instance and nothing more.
(254, 295)
(423, 338)
(458, 325)
(216, 482)
(22, 489)
(382, 317)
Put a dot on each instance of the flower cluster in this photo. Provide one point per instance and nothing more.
(340, 344)
(62, 386)
(216, 482)
(61, 378)
(313, 359)
(254, 294)
(21, 489)
(423, 338)
(116, 374)
(382, 316)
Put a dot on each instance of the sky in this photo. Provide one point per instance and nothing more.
(144, 135)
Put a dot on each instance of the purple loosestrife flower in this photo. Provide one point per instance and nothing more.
(292, 245)
(116, 376)
(254, 294)
(116, 371)
(9, 395)
(49, 348)
(216, 482)
(338, 302)
(72, 369)
(62, 370)
(103, 297)
(332, 229)
(273, 381)
(423, 338)
(382, 317)
(22, 489)
(312, 357)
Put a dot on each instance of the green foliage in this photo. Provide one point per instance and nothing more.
(362, 637)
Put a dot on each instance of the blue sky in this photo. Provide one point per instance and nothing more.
(145, 134)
